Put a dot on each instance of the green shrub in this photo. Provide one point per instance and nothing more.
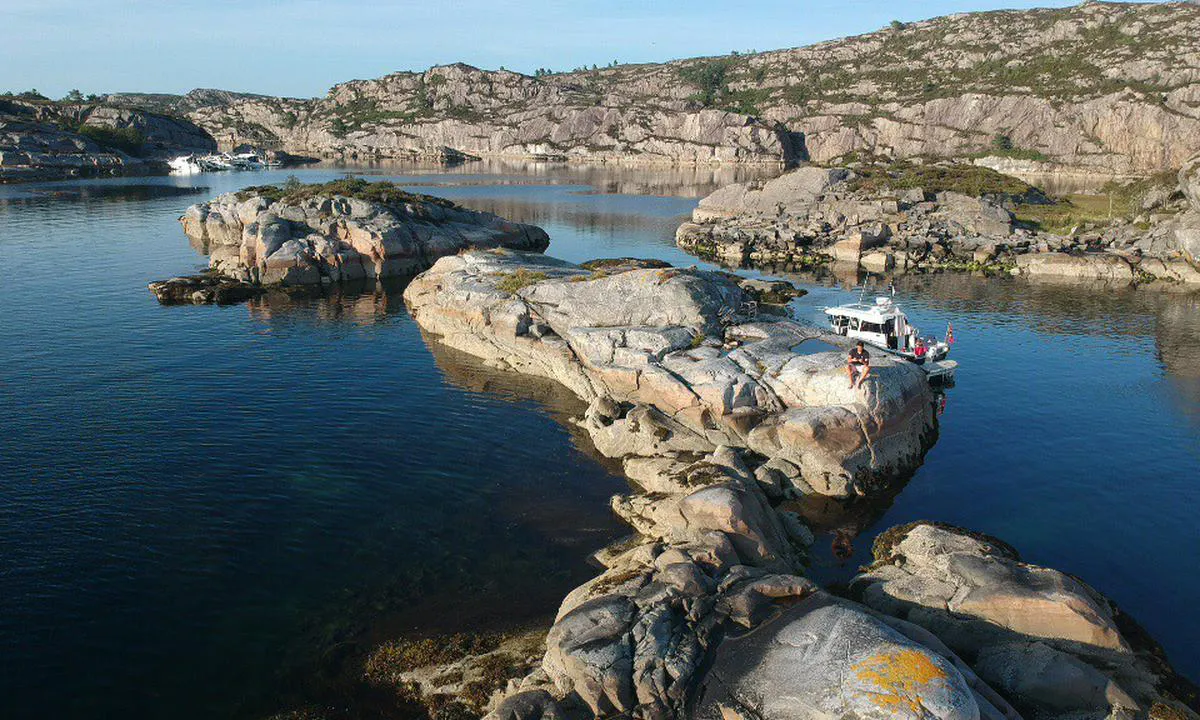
(962, 178)
(385, 193)
(127, 140)
(710, 78)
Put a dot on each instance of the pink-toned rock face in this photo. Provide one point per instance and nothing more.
(332, 239)
(671, 343)
(1060, 266)
(987, 593)
(1189, 181)
(1043, 638)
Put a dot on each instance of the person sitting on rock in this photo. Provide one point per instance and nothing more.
(859, 367)
(920, 351)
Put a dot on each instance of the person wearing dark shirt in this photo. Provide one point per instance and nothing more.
(859, 367)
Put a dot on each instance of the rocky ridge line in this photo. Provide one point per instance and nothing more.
(1106, 88)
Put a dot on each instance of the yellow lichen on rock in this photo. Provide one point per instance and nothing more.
(902, 676)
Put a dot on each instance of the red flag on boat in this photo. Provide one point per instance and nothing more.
(949, 333)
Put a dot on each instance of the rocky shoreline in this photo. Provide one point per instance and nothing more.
(682, 361)
(44, 140)
(705, 612)
(883, 220)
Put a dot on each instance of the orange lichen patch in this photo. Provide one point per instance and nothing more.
(900, 676)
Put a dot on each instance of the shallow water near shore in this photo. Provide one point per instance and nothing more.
(201, 506)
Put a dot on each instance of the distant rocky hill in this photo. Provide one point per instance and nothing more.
(40, 139)
(1099, 87)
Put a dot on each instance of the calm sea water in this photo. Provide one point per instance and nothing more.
(203, 508)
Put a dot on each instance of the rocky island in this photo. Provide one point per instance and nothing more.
(906, 217)
(717, 413)
(671, 362)
(312, 235)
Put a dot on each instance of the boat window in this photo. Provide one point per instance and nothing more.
(870, 327)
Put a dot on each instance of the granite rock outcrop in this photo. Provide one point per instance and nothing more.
(877, 218)
(342, 231)
(681, 361)
(45, 141)
(1050, 643)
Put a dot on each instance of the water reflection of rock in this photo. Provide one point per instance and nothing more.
(580, 216)
(631, 179)
(1177, 336)
(1075, 309)
(98, 193)
(469, 373)
(362, 303)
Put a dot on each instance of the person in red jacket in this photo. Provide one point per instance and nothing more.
(920, 351)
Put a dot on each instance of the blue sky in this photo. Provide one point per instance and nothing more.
(301, 48)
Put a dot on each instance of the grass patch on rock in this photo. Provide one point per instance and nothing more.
(383, 193)
(127, 140)
(1114, 201)
(517, 280)
(961, 178)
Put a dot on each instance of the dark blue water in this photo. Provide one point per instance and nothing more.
(198, 505)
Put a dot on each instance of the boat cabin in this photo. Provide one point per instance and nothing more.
(885, 326)
(881, 324)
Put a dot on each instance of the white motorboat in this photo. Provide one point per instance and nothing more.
(211, 163)
(883, 325)
(191, 164)
(185, 165)
(245, 161)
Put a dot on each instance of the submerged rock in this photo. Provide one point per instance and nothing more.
(202, 290)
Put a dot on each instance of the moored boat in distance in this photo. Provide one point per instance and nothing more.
(185, 165)
(883, 325)
(245, 161)
(216, 162)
